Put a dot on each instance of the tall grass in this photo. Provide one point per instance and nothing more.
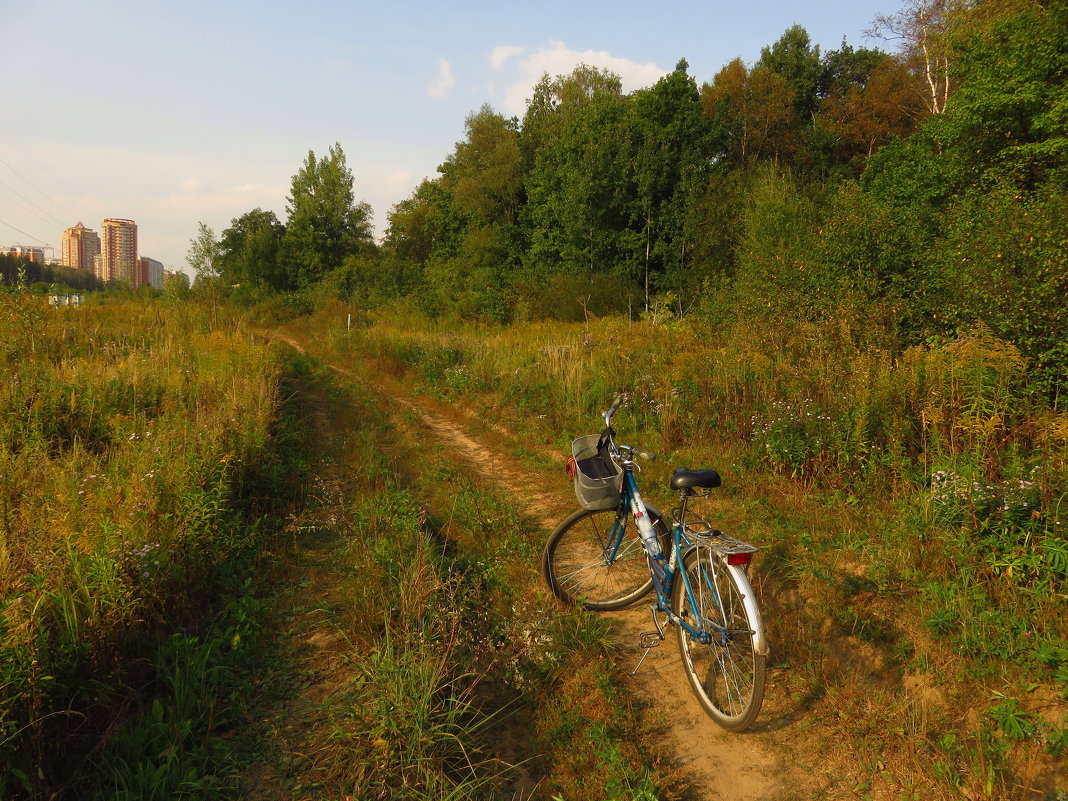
(435, 650)
(911, 502)
(130, 435)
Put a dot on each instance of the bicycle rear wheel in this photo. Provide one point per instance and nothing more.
(726, 674)
(595, 558)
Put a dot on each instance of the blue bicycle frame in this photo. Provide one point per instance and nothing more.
(699, 574)
(666, 572)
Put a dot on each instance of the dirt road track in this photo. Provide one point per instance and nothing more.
(718, 765)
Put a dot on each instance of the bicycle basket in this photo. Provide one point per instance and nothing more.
(596, 475)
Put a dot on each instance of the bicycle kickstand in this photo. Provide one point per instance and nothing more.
(649, 639)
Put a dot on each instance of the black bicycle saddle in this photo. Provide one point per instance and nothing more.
(694, 479)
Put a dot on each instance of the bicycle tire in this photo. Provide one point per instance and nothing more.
(727, 675)
(576, 569)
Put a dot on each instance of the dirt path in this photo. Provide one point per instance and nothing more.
(718, 765)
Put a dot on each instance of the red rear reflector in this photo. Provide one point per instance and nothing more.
(570, 468)
(739, 558)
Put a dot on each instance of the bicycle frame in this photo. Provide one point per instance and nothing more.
(700, 575)
(665, 574)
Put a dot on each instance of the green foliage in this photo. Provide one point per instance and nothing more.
(18, 271)
(795, 58)
(1004, 261)
(249, 251)
(325, 224)
(1013, 722)
(128, 439)
(798, 440)
(577, 205)
(571, 297)
(1008, 121)
(204, 253)
(775, 274)
(670, 137)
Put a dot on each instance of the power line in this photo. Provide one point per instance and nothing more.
(27, 200)
(62, 184)
(19, 230)
(42, 193)
(18, 207)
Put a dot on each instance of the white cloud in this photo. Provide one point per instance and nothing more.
(556, 58)
(502, 53)
(214, 206)
(263, 190)
(443, 82)
(397, 181)
(190, 185)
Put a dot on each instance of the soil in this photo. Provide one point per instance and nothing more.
(802, 745)
(715, 763)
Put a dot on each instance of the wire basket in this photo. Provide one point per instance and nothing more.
(597, 477)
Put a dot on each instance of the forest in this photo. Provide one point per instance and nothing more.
(923, 190)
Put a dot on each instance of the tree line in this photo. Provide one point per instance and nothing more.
(20, 270)
(925, 188)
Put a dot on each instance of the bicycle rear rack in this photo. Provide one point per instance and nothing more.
(701, 534)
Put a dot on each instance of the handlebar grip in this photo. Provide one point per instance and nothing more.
(645, 456)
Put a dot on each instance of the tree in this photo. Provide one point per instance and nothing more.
(485, 172)
(751, 112)
(1008, 121)
(670, 136)
(578, 191)
(422, 224)
(425, 234)
(795, 58)
(865, 115)
(175, 285)
(325, 223)
(848, 67)
(923, 27)
(203, 254)
(249, 251)
(556, 101)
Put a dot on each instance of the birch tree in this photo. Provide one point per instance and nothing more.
(922, 27)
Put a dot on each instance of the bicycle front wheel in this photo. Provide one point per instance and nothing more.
(726, 673)
(596, 559)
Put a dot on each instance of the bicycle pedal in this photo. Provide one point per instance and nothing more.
(650, 639)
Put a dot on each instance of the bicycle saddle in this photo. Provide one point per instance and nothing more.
(691, 479)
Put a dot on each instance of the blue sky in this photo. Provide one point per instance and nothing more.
(172, 113)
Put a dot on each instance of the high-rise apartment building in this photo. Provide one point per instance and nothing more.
(80, 244)
(118, 251)
(149, 271)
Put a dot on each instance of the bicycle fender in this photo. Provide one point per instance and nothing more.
(760, 641)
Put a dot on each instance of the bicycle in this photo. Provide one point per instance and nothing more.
(613, 551)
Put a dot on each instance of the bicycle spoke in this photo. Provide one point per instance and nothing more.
(597, 559)
(726, 673)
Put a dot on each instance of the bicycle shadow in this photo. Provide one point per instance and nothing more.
(781, 711)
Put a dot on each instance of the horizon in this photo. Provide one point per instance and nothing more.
(259, 90)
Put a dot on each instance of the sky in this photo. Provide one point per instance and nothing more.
(174, 113)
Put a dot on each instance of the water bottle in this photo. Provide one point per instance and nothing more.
(645, 527)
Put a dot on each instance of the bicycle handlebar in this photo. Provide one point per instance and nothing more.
(615, 405)
(645, 456)
(623, 451)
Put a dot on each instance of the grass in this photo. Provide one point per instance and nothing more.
(909, 506)
(910, 503)
(436, 654)
(139, 443)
